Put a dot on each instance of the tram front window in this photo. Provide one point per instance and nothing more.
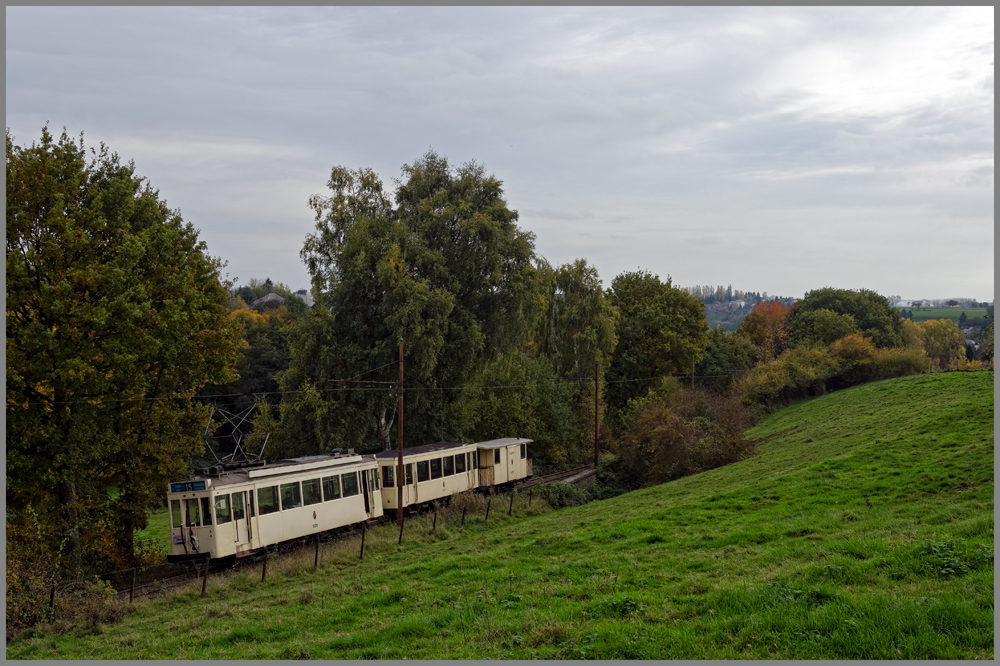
(176, 517)
(193, 517)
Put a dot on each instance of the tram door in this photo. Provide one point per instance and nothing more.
(241, 521)
(365, 486)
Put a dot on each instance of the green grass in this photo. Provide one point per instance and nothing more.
(157, 527)
(924, 314)
(862, 528)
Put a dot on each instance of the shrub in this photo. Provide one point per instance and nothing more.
(694, 431)
(560, 495)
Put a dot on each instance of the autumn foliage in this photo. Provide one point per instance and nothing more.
(766, 327)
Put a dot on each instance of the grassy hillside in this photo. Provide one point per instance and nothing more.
(862, 528)
(924, 314)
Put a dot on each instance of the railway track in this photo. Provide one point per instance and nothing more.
(557, 476)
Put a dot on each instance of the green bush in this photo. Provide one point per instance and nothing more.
(560, 495)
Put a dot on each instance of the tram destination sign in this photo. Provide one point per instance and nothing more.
(187, 486)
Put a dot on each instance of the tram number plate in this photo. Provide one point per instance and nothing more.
(187, 486)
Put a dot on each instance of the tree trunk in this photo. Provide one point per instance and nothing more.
(384, 426)
(67, 500)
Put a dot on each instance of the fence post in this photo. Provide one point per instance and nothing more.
(464, 509)
(52, 596)
(510, 511)
(435, 523)
(363, 530)
(131, 592)
(204, 580)
(400, 533)
(263, 571)
(488, 509)
(316, 559)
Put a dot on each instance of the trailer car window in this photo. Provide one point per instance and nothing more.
(460, 463)
(423, 471)
(176, 517)
(222, 514)
(238, 506)
(311, 493)
(331, 488)
(375, 478)
(267, 499)
(409, 474)
(206, 511)
(291, 496)
(475, 459)
(449, 465)
(436, 468)
(349, 483)
(496, 456)
(252, 505)
(387, 476)
(522, 452)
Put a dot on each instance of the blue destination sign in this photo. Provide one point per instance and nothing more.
(188, 486)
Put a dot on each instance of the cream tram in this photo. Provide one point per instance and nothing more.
(233, 511)
(438, 470)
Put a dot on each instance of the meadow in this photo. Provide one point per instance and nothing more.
(925, 314)
(861, 528)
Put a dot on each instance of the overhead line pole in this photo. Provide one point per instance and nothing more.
(597, 413)
(399, 465)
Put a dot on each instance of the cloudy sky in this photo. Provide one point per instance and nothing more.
(776, 150)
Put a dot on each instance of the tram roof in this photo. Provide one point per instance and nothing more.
(426, 448)
(505, 441)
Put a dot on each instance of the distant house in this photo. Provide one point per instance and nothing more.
(306, 297)
(269, 302)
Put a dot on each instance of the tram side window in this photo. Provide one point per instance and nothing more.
(436, 468)
(449, 465)
(222, 513)
(375, 479)
(523, 452)
(176, 517)
(291, 496)
(460, 463)
(310, 492)
(252, 505)
(193, 517)
(350, 483)
(387, 476)
(423, 471)
(238, 506)
(331, 488)
(409, 474)
(475, 459)
(267, 500)
(496, 456)
(206, 510)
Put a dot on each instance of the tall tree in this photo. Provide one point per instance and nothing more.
(661, 330)
(115, 317)
(446, 269)
(872, 314)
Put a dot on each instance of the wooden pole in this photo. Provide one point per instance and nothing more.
(52, 596)
(363, 530)
(464, 509)
(204, 580)
(263, 571)
(316, 558)
(597, 413)
(131, 591)
(399, 447)
(510, 511)
(435, 523)
(488, 509)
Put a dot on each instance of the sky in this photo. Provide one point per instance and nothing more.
(771, 149)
